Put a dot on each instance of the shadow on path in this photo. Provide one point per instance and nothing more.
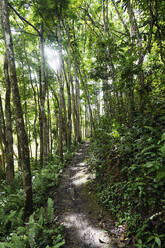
(82, 218)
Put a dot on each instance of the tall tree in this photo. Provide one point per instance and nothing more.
(9, 133)
(21, 133)
(44, 132)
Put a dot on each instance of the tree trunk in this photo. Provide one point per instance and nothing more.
(9, 133)
(56, 114)
(105, 97)
(73, 101)
(69, 122)
(3, 142)
(88, 102)
(69, 126)
(61, 83)
(44, 136)
(135, 32)
(87, 132)
(97, 106)
(22, 136)
(2, 158)
(35, 132)
(49, 123)
(35, 120)
(69, 119)
(78, 103)
(61, 123)
(74, 112)
(106, 33)
(60, 140)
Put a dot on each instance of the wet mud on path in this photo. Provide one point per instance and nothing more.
(85, 223)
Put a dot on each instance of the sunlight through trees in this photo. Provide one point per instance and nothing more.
(92, 69)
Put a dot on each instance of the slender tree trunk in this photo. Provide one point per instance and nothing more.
(36, 107)
(49, 122)
(3, 142)
(69, 119)
(61, 83)
(98, 106)
(72, 105)
(9, 133)
(61, 120)
(69, 90)
(44, 137)
(88, 101)
(2, 157)
(105, 97)
(74, 114)
(107, 33)
(25, 101)
(132, 104)
(22, 136)
(69, 124)
(135, 32)
(87, 132)
(78, 103)
(35, 120)
(60, 142)
(56, 114)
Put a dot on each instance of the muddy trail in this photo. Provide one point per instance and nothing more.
(86, 225)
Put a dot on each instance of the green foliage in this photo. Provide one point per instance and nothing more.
(128, 158)
(130, 177)
(40, 230)
(50, 210)
(45, 179)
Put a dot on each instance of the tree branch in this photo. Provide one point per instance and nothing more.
(121, 18)
(148, 46)
(24, 20)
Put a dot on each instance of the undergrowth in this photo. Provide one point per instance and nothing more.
(40, 230)
(129, 163)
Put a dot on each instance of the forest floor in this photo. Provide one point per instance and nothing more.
(86, 224)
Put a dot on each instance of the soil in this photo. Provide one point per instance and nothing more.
(86, 224)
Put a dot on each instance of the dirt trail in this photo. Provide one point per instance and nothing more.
(86, 224)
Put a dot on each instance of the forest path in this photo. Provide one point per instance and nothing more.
(86, 224)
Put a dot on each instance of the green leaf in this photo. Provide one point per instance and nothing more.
(158, 241)
(153, 130)
(161, 174)
(149, 148)
(162, 149)
(4, 245)
(163, 137)
(41, 216)
(150, 238)
(149, 164)
(17, 242)
(50, 209)
(59, 244)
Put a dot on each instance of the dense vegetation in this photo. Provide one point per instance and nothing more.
(129, 166)
(71, 70)
(40, 230)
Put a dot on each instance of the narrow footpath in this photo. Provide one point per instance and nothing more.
(86, 224)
